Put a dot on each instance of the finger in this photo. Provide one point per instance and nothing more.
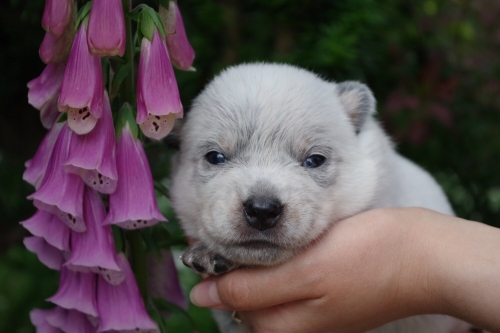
(247, 289)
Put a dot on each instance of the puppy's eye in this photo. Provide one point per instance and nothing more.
(314, 161)
(214, 157)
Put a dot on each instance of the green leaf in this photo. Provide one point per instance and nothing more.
(164, 305)
(83, 14)
(124, 119)
(147, 24)
(63, 118)
(150, 242)
(119, 238)
(122, 72)
(161, 188)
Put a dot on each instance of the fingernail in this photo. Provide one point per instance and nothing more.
(205, 294)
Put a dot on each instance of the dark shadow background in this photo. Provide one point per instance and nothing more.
(433, 65)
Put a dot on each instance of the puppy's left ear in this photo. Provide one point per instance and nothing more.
(358, 101)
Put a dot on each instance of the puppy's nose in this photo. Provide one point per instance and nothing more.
(262, 214)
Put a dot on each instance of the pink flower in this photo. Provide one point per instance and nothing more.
(50, 228)
(133, 204)
(44, 91)
(61, 193)
(106, 29)
(70, 321)
(121, 307)
(179, 48)
(36, 167)
(158, 101)
(56, 48)
(92, 155)
(39, 320)
(163, 281)
(94, 250)
(82, 87)
(46, 253)
(76, 291)
(56, 16)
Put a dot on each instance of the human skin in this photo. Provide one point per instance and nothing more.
(368, 270)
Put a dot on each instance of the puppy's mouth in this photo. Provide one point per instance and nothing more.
(257, 244)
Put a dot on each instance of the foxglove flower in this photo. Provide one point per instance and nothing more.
(56, 48)
(44, 91)
(94, 250)
(46, 253)
(82, 87)
(163, 281)
(158, 101)
(76, 291)
(49, 227)
(121, 307)
(61, 193)
(179, 48)
(106, 29)
(39, 320)
(36, 167)
(133, 204)
(92, 155)
(56, 16)
(70, 321)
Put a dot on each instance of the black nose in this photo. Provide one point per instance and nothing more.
(262, 214)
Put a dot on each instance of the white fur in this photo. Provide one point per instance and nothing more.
(266, 119)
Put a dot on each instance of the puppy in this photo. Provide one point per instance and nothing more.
(270, 156)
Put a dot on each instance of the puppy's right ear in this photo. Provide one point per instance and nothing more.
(358, 101)
(173, 139)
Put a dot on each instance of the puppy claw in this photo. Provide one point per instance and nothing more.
(199, 258)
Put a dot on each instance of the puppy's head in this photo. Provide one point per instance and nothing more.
(270, 155)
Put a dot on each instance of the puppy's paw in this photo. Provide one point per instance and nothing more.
(202, 260)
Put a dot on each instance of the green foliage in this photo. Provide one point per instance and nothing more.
(433, 66)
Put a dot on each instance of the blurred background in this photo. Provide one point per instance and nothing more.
(433, 65)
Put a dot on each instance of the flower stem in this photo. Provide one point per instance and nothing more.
(138, 261)
(127, 88)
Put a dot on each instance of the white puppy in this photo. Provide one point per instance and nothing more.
(272, 155)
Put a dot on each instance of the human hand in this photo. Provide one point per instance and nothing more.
(368, 270)
(354, 269)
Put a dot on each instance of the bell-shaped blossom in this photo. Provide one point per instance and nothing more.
(92, 155)
(39, 320)
(76, 291)
(163, 281)
(133, 204)
(56, 16)
(106, 29)
(61, 193)
(49, 227)
(180, 50)
(94, 250)
(82, 87)
(121, 307)
(70, 321)
(46, 253)
(56, 48)
(43, 92)
(36, 167)
(157, 92)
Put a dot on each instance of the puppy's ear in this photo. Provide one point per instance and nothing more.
(358, 101)
(173, 139)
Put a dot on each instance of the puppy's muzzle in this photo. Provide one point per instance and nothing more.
(263, 213)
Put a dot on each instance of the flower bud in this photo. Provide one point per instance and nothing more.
(106, 29)
(179, 48)
(56, 16)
